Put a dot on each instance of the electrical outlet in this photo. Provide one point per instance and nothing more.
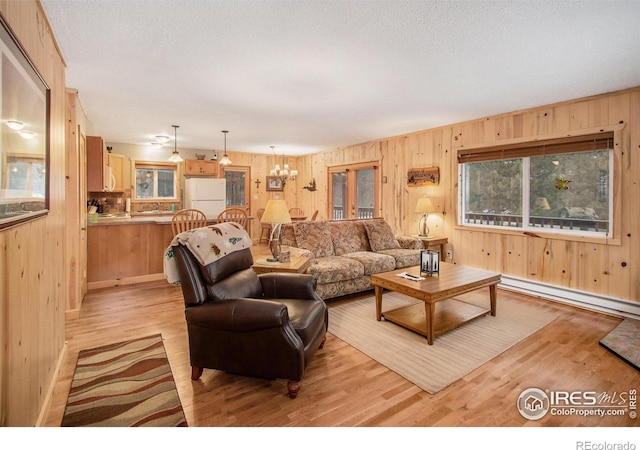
(449, 255)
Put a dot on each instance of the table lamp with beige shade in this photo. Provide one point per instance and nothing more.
(424, 206)
(276, 213)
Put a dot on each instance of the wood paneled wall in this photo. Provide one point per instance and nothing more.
(32, 273)
(607, 269)
(600, 268)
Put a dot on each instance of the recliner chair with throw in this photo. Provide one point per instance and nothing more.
(267, 326)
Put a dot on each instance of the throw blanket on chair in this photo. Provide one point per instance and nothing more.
(208, 244)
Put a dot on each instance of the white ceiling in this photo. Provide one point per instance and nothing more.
(307, 76)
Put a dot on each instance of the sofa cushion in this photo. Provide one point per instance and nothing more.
(335, 268)
(373, 262)
(332, 290)
(314, 236)
(287, 235)
(381, 235)
(404, 257)
(409, 242)
(348, 237)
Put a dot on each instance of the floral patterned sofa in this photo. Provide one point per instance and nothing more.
(345, 253)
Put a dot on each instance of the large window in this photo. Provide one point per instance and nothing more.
(564, 185)
(353, 191)
(155, 181)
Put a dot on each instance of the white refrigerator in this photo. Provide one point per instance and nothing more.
(206, 194)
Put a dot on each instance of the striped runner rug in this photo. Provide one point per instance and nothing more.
(452, 355)
(128, 384)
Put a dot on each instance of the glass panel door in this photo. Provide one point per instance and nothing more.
(237, 182)
(339, 195)
(353, 191)
(365, 193)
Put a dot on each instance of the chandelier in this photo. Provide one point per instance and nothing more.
(283, 173)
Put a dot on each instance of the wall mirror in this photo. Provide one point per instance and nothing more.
(24, 135)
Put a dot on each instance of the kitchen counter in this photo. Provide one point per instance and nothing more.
(140, 218)
(137, 218)
(128, 249)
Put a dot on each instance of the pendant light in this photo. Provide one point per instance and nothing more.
(225, 161)
(175, 157)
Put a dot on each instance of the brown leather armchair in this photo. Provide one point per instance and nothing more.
(266, 326)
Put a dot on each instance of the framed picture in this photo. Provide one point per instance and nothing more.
(274, 184)
(423, 176)
(24, 153)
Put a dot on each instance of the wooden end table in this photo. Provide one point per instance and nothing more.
(433, 241)
(298, 264)
(440, 312)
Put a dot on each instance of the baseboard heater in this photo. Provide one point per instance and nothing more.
(608, 305)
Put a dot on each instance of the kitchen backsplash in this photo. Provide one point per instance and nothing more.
(115, 202)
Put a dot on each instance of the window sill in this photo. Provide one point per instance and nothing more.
(541, 233)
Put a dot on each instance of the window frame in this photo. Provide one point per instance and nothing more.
(155, 166)
(515, 146)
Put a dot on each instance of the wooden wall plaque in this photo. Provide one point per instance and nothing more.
(423, 176)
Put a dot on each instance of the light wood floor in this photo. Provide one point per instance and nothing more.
(343, 387)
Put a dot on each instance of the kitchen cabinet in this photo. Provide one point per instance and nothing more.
(104, 170)
(116, 162)
(200, 167)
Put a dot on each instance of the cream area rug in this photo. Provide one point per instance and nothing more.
(453, 354)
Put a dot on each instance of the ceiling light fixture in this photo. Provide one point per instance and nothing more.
(27, 134)
(283, 173)
(15, 125)
(175, 157)
(225, 161)
(162, 139)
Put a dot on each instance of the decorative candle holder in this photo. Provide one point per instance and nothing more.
(429, 262)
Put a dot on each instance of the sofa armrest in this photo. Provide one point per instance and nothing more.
(238, 315)
(303, 252)
(409, 242)
(288, 285)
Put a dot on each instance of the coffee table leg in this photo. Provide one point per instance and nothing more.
(378, 291)
(493, 295)
(429, 312)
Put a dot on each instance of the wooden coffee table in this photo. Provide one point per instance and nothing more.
(298, 264)
(438, 290)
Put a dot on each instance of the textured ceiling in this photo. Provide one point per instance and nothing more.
(306, 76)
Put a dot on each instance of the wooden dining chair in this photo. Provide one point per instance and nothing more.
(238, 215)
(187, 219)
(265, 228)
(296, 212)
